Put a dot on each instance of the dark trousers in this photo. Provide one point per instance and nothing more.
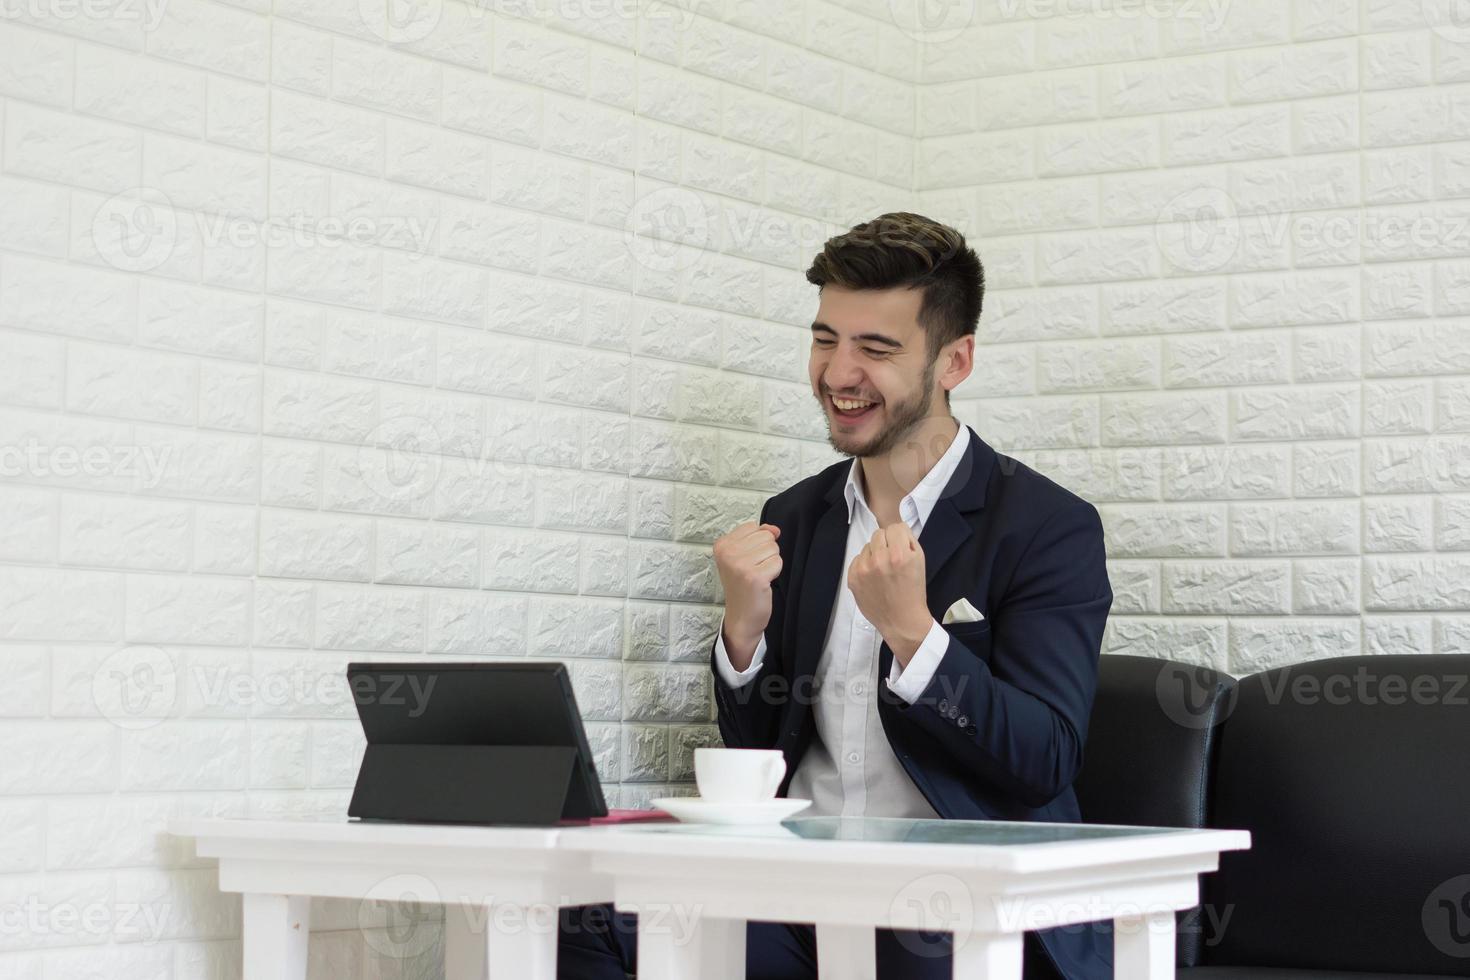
(597, 942)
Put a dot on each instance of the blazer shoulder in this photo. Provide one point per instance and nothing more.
(1037, 495)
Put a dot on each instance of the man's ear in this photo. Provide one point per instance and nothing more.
(957, 361)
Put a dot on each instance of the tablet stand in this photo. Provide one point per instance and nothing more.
(476, 784)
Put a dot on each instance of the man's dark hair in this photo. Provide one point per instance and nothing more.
(902, 249)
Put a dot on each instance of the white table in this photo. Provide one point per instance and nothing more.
(987, 882)
(500, 887)
(695, 886)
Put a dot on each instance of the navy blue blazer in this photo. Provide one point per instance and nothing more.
(998, 733)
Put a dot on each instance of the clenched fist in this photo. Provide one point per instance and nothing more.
(887, 580)
(748, 562)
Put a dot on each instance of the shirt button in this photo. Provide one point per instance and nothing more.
(859, 688)
(864, 625)
(853, 757)
(962, 721)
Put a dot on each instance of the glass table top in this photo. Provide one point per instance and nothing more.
(890, 830)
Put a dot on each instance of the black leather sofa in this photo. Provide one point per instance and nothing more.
(1353, 776)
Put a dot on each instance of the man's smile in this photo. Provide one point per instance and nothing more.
(851, 410)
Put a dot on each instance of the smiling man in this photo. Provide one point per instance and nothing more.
(917, 629)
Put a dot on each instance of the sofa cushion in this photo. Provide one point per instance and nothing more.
(1149, 742)
(1352, 776)
(1271, 973)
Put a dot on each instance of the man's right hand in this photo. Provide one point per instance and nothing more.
(748, 562)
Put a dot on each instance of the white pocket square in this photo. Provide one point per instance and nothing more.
(962, 612)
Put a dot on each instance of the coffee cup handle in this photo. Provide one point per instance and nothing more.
(778, 772)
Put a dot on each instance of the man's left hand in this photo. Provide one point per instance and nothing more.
(887, 580)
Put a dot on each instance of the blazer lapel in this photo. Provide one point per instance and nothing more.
(947, 526)
(946, 529)
(819, 581)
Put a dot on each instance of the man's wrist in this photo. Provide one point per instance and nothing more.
(740, 647)
(907, 639)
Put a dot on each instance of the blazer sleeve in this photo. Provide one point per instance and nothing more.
(749, 716)
(1010, 701)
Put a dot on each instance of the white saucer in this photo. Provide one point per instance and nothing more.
(692, 809)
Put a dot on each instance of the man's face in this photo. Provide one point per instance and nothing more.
(868, 347)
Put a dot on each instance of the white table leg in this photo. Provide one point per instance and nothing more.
(979, 956)
(518, 946)
(274, 936)
(1143, 947)
(846, 952)
(464, 943)
(689, 947)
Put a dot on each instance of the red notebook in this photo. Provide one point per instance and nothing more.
(622, 816)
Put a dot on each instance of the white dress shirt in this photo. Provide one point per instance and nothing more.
(850, 769)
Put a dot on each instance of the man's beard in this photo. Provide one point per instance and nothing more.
(904, 418)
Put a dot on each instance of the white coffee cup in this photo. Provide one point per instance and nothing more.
(738, 775)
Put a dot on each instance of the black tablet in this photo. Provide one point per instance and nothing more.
(474, 743)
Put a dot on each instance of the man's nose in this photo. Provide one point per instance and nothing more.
(843, 371)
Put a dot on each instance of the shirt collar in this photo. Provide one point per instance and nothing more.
(915, 507)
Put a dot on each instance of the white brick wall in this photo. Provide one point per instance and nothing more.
(321, 340)
(1227, 254)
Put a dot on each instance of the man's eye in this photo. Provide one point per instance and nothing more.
(874, 353)
(823, 343)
